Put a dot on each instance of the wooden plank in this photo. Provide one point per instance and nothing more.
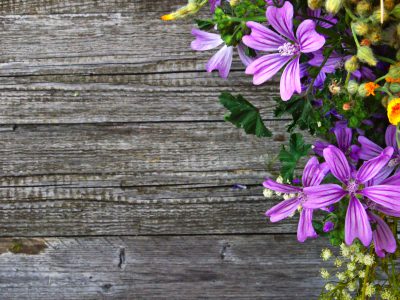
(160, 178)
(191, 267)
(102, 42)
(128, 98)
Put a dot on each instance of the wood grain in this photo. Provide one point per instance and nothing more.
(190, 267)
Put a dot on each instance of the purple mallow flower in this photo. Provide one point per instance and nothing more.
(357, 223)
(313, 174)
(286, 46)
(328, 226)
(325, 21)
(222, 60)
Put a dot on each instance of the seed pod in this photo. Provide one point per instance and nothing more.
(360, 28)
(363, 8)
(389, 4)
(395, 87)
(376, 16)
(352, 87)
(396, 11)
(351, 64)
(365, 54)
(333, 6)
(314, 4)
(362, 91)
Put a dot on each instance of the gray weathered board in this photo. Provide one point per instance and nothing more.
(117, 170)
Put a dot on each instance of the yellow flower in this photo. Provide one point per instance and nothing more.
(371, 87)
(394, 111)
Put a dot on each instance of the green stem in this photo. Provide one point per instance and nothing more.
(385, 59)
(350, 13)
(355, 37)
(255, 19)
(367, 270)
(380, 78)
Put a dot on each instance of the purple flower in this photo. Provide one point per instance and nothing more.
(382, 236)
(328, 226)
(331, 20)
(357, 223)
(334, 62)
(222, 60)
(214, 4)
(313, 174)
(286, 45)
(278, 3)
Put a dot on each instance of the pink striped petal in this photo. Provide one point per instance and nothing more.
(290, 80)
(280, 188)
(205, 40)
(221, 61)
(393, 180)
(265, 67)
(383, 238)
(385, 195)
(308, 38)
(281, 19)
(369, 149)
(305, 228)
(323, 195)
(357, 223)
(372, 167)
(390, 136)
(262, 38)
(283, 210)
(338, 164)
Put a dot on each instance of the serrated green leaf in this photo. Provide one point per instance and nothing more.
(289, 158)
(244, 115)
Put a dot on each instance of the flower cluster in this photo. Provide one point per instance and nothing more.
(338, 65)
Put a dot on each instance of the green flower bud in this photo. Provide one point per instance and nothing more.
(398, 55)
(314, 4)
(394, 71)
(363, 8)
(360, 28)
(395, 87)
(362, 91)
(377, 15)
(352, 87)
(333, 6)
(365, 54)
(396, 11)
(351, 64)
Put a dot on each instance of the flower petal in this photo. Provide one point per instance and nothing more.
(280, 188)
(205, 40)
(385, 195)
(262, 38)
(372, 167)
(390, 136)
(309, 40)
(369, 149)
(357, 223)
(343, 137)
(338, 164)
(283, 209)
(265, 67)
(214, 4)
(281, 19)
(384, 240)
(246, 60)
(393, 180)
(290, 80)
(313, 172)
(221, 61)
(323, 195)
(305, 228)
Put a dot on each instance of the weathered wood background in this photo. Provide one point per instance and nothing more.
(117, 169)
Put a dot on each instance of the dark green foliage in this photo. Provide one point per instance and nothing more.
(290, 157)
(244, 115)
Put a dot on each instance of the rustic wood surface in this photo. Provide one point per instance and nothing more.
(117, 171)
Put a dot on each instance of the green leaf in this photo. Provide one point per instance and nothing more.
(289, 158)
(205, 24)
(244, 115)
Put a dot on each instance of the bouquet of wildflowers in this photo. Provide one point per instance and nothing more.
(339, 66)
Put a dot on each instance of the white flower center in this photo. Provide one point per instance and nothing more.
(352, 187)
(288, 49)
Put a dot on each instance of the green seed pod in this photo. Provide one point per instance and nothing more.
(396, 12)
(352, 87)
(333, 6)
(314, 4)
(360, 28)
(363, 8)
(395, 87)
(362, 91)
(376, 16)
(394, 71)
(398, 55)
(365, 54)
(351, 64)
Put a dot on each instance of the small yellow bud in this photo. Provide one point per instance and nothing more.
(191, 8)
(326, 254)
(396, 11)
(360, 28)
(325, 274)
(234, 2)
(389, 4)
(365, 54)
(333, 6)
(368, 260)
(314, 4)
(377, 16)
(351, 64)
(362, 91)
(375, 36)
(363, 8)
